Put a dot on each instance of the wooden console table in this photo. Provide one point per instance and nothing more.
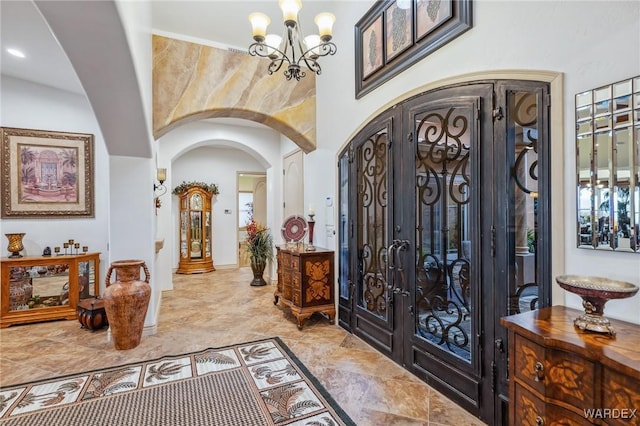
(560, 375)
(306, 282)
(40, 288)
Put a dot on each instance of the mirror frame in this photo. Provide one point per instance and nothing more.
(608, 167)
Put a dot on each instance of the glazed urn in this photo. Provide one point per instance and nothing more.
(126, 301)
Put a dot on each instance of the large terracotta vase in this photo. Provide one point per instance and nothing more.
(257, 267)
(126, 301)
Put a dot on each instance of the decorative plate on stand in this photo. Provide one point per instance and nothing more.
(294, 229)
(595, 292)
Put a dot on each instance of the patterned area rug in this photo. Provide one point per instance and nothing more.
(259, 383)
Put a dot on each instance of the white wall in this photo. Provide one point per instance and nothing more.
(33, 106)
(213, 153)
(591, 42)
(218, 165)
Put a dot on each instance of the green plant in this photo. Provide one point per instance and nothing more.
(184, 186)
(259, 242)
(531, 240)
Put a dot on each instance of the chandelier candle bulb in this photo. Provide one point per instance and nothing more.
(325, 21)
(290, 9)
(313, 44)
(273, 42)
(259, 23)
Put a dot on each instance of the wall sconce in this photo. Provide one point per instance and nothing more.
(160, 190)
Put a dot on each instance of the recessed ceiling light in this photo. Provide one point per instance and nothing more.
(16, 52)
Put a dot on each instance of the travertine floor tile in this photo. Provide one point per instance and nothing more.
(218, 309)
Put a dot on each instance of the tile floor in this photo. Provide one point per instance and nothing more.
(220, 308)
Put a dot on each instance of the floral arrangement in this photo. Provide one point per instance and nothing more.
(259, 241)
(211, 187)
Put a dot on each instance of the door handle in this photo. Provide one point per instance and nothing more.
(389, 278)
(401, 245)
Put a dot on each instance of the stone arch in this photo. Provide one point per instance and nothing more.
(192, 82)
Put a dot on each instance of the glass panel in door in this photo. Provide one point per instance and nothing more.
(522, 137)
(372, 230)
(344, 261)
(443, 239)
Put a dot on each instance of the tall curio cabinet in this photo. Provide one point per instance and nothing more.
(195, 241)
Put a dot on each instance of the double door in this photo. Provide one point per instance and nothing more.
(444, 212)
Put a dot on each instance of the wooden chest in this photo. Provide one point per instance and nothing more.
(306, 282)
(560, 375)
(91, 314)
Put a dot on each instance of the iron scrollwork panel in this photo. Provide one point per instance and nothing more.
(443, 236)
(372, 235)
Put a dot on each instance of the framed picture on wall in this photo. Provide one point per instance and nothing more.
(371, 48)
(430, 15)
(395, 34)
(46, 174)
(398, 25)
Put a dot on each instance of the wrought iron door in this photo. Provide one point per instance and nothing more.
(367, 171)
(444, 222)
(435, 209)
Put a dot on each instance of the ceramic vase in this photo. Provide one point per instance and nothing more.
(19, 294)
(257, 266)
(15, 244)
(126, 301)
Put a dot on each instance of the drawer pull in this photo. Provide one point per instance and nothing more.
(539, 368)
(539, 421)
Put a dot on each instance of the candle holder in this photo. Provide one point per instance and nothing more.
(15, 244)
(66, 246)
(85, 249)
(311, 223)
(76, 246)
(57, 250)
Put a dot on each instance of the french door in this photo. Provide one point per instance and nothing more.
(435, 195)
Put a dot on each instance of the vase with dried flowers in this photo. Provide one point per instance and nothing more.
(260, 247)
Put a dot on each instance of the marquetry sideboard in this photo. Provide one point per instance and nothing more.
(560, 375)
(40, 288)
(306, 282)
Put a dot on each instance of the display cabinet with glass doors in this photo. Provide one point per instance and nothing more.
(43, 288)
(195, 236)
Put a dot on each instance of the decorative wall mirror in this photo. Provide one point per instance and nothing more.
(608, 167)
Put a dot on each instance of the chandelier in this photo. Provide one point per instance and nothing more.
(293, 48)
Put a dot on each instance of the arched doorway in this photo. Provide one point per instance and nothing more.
(445, 223)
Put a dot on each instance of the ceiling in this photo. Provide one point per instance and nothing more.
(22, 27)
(222, 23)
